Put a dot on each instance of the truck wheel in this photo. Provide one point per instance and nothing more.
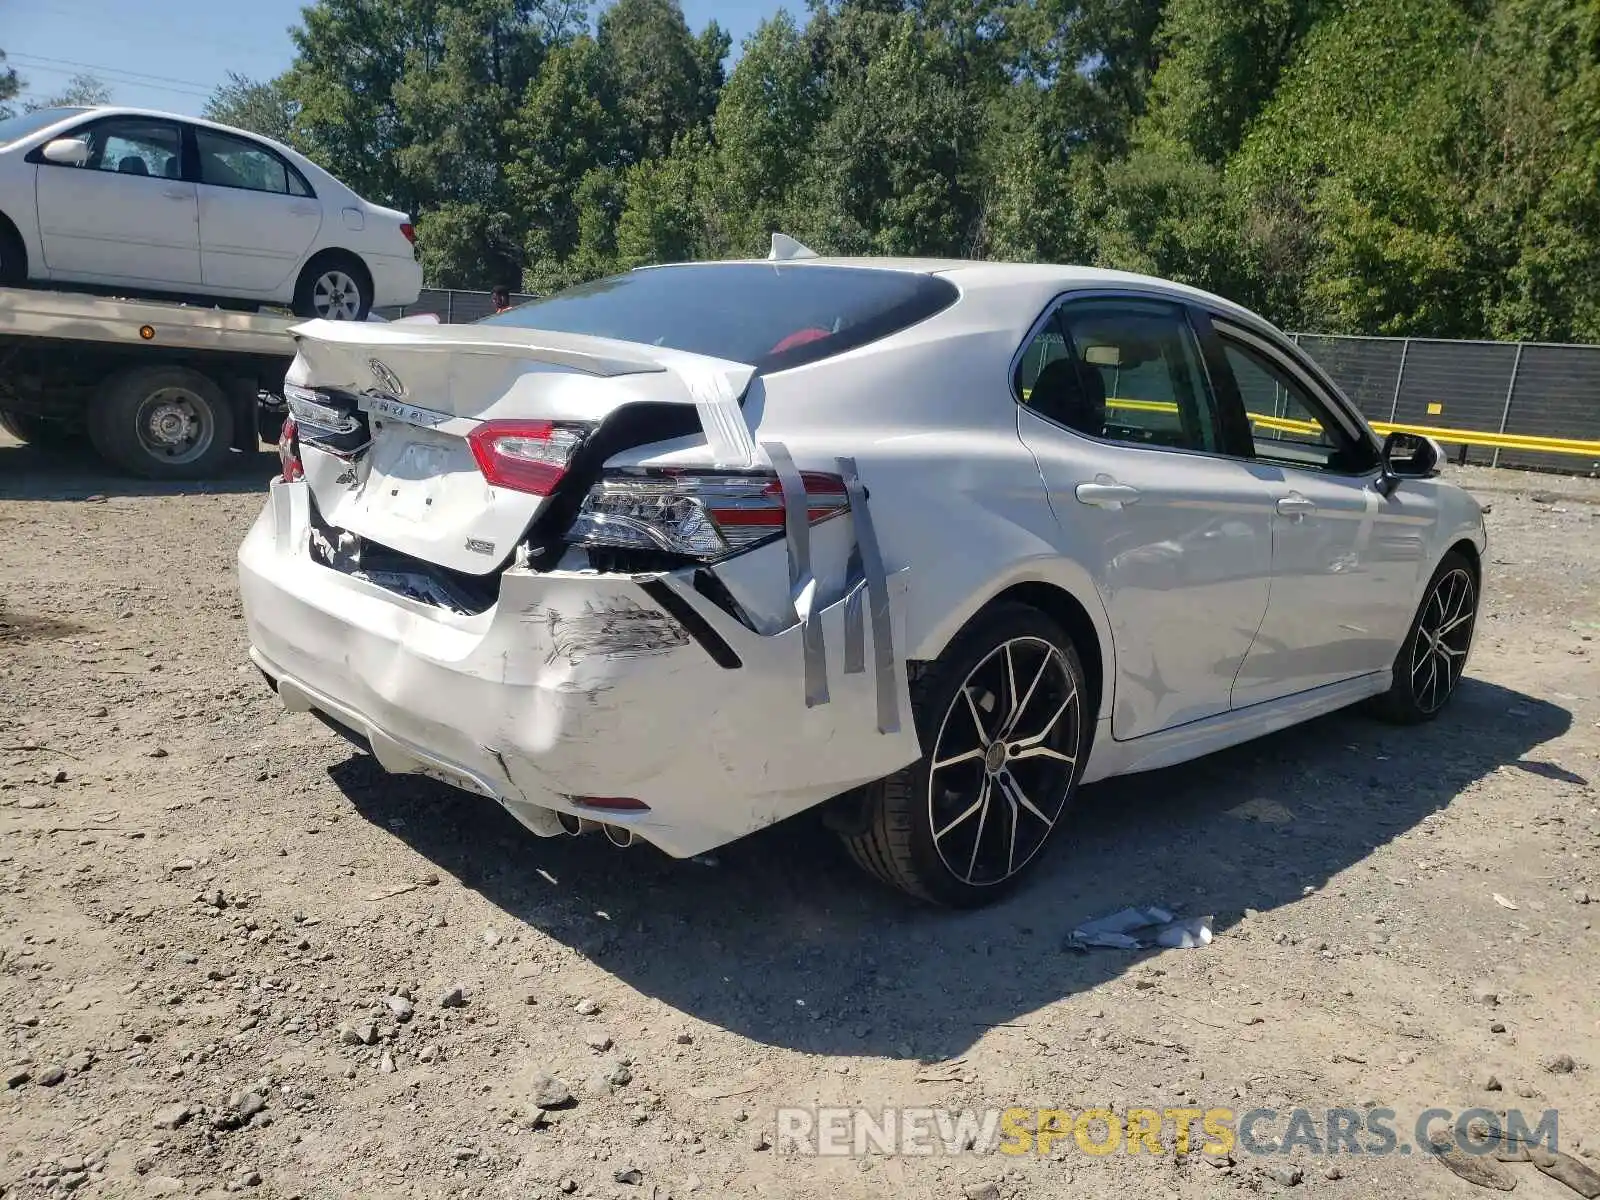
(40, 432)
(335, 287)
(162, 423)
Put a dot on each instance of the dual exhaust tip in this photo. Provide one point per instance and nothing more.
(617, 835)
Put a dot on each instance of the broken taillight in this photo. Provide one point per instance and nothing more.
(289, 451)
(702, 515)
(525, 456)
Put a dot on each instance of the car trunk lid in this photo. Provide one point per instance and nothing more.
(427, 393)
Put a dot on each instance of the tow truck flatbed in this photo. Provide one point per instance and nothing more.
(163, 390)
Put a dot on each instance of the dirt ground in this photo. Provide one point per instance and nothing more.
(211, 913)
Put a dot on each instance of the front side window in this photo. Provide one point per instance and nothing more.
(1125, 371)
(1287, 426)
(132, 146)
(236, 163)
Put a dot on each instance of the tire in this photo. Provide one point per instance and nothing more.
(1445, 620)
(162, 423)
(13, 257)
(335, 287)
(969, 840)
(40, 432)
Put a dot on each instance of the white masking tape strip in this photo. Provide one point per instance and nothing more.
(717, 402)
(877, 597)
(802, 584)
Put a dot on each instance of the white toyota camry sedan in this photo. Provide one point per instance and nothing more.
(127, 198)
(679, 554)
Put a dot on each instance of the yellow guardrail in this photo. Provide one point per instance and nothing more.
(1464, 437)
(1500, 441)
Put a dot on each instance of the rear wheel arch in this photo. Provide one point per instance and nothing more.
(1066, 610)
(1062, 605)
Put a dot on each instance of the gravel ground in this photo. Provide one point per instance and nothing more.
(234, 955)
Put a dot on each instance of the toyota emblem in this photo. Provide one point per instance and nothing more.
(387, 379)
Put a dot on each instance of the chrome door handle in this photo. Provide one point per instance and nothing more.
(178, 194)
(1106, 495)
(304, 210)
(1296, 505)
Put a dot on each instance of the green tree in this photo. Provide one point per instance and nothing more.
(764, 126)
(565, 129)
(658, 71)
(10, 85)
(1220, 63)
(411, 102)
(1083, 66)
(894, 165)
(1538, 211)
(264, 107)
(1404, 166)
(82, 91)
(664, 218)
(464, 244)
(1378, 167)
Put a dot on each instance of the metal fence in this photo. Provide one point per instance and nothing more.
(450, 305)
(1521, 389)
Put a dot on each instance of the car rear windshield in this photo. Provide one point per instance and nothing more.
(21, 126)
(771, 315)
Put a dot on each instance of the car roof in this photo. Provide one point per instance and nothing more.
(975, 275)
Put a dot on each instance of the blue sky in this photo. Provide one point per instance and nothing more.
(169, 54)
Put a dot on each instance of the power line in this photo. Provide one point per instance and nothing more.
(31, 59)
(154, 87)
(106, 77)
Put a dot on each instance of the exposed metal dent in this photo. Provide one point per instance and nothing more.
(617, 628)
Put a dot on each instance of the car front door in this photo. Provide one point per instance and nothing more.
(125, 215)
(1346, 559)
(1117, 409)
(258, 215)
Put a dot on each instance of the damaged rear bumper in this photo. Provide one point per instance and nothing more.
(581, 684)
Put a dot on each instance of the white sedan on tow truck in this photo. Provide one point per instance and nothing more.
(132, 200)
(685, 552)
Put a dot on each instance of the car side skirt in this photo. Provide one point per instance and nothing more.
(1197, 738)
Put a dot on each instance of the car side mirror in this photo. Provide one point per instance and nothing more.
(67, 152)
(1408, 456)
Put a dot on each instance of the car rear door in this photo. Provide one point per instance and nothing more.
(126, 215)
(1117, 410)
(1346, 559)
(258, 214)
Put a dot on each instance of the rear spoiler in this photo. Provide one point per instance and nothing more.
(713, 385)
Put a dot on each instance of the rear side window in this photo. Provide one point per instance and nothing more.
(233, 162)
(1121, 370)
(773, 316)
